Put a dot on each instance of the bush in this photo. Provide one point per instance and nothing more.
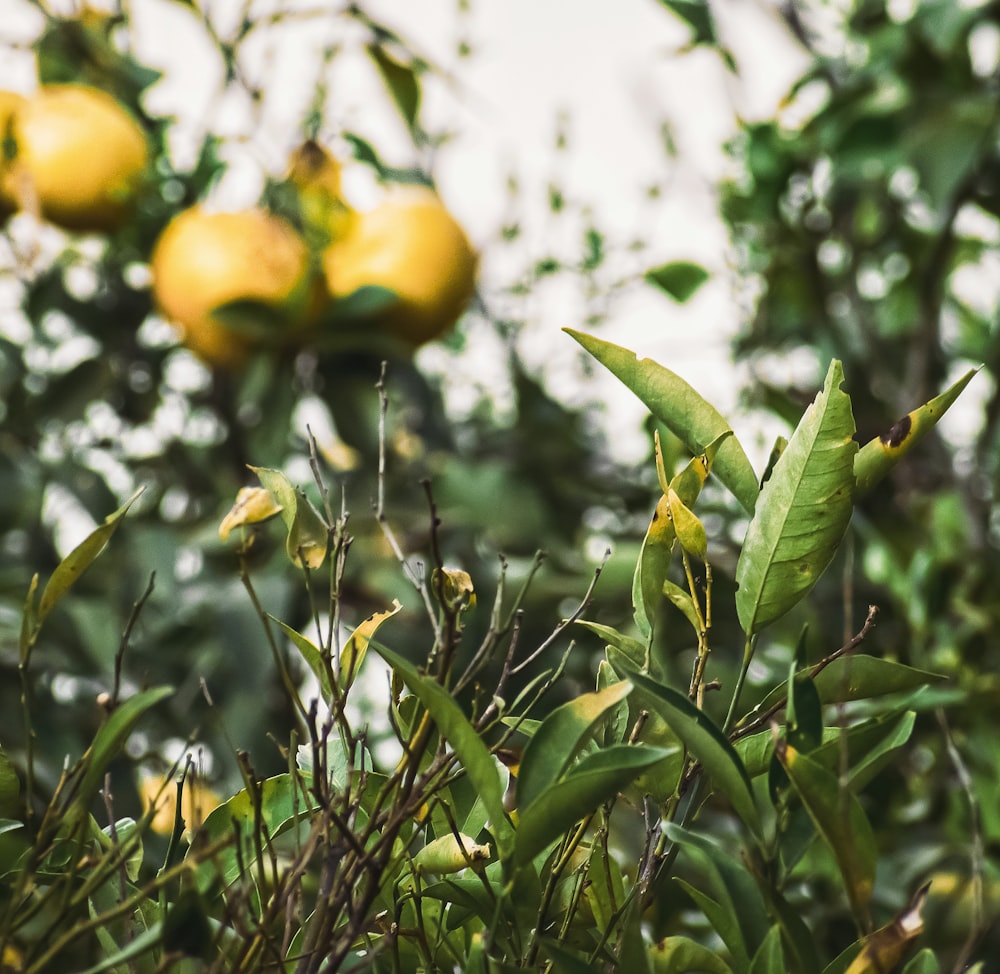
(504, 837)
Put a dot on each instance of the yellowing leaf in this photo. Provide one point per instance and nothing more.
(885, 948)
(308, 536)
(353, 653)
(690, 531)
(455, 586)
(253, 506)
(451, 853)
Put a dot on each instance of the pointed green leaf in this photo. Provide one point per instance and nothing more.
(681, 955)
(402, 82)
(283, 801)
(631, 647)
(680, 279)
(565, 961)
(650, 579)
(681, 409)
(722, 919)
(460, 734)
(879, 455)
(10, 788)
(925, 962)
(80, 559)
(732, 889)
(309, 652)
(681, 599)
(651, 569)
(770, 958)
(860, 677)
(708, 745)
(597, 778)
(109, 740)
(307, 536)
(802, 513)
(560, 738)
(616, 722)
(839, 818)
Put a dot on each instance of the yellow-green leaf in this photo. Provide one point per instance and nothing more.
(353, 653)
(681, 409)
(879, 455)
(253, 505)
(308, 537)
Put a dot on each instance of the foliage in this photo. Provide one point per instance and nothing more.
(742, 790)
(457, 856)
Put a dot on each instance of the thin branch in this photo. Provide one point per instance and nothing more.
(812, 672)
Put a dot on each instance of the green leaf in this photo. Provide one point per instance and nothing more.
(597, 778)
(10, 788)
(560, 738)
(282, 802)
(632, 648)
(722, 919)
(402, 82)
(735, 906)
(565, 961)
(650, 579)
(841, 821)
(616, 723)
(148, 940)
(879, 455)
(109, 740)
(311, 654)
(651, 571)
(681, 599)
(80, 559)
(681, 955)
(708, 745)
(681, 409)
(770, 958)
(924, 963)
(307, 535)
(696, 14)
(860, 677)
(472, 752)
(680, 279)
(802, 513)
(252, 318)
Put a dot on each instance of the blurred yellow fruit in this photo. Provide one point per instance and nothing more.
(203, 260)
(160, 793)
(10, 103)
(412, 245)
(80, 157)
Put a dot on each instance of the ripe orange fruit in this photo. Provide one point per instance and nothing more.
(10, 103)
(412, 245)
(80, 157)
(203, 260)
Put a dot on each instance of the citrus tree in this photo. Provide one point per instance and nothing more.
(162, 340)
(231, 492)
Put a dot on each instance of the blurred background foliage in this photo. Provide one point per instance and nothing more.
(865, 219)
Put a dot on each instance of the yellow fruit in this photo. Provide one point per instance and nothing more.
(159, 793)
(204, 260)
(412, 245)
(80, 157)
(10, 103)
